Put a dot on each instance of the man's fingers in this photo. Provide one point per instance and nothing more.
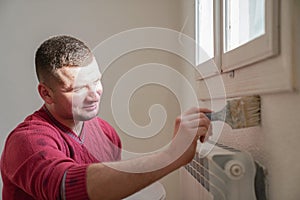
(194, 116)
(202, 131)
(194, 121)
(205, 110)
(200, 122)
(195, 110)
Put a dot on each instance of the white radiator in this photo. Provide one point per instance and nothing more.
(224, 174)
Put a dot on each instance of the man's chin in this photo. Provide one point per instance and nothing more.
(85, 116)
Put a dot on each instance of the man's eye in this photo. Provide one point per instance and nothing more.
(77, 89)
(97, 82)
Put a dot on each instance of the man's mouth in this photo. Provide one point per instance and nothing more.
(90, 107)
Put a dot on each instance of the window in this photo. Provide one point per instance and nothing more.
(238, 44)
(247, 29)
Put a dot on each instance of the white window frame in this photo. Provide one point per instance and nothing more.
(258, 49)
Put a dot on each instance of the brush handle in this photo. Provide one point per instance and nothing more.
(216, 116)
(208, 115)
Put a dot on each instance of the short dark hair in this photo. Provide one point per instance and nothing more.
(60, 51)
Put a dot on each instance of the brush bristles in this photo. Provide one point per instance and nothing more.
(243, 112)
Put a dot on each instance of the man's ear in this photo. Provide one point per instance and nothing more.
(46, 93)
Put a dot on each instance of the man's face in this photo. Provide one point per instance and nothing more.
(79, 94)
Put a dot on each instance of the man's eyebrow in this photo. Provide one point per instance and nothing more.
(71, 87)
(81, 86)
(98, 79)
(68, 88)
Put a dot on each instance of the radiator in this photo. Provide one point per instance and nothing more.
(224, 174)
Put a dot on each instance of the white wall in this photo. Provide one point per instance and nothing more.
(25, 24)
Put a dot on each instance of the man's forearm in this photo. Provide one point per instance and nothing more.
(120, 179)
(117, 180)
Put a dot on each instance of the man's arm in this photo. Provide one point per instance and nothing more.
(120, 179)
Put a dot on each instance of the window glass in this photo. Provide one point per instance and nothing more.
(204, 30)
(244, 20)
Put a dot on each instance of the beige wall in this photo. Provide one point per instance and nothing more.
(25, 24)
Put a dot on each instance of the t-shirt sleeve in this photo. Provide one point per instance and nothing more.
(34, 161)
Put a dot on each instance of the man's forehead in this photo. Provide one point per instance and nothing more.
(90, 68)
(80, 74)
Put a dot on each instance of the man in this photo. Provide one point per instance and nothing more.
(64, 151)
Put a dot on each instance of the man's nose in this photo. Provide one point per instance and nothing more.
(95, 91)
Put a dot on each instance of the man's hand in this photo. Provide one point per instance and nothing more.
(189, 127)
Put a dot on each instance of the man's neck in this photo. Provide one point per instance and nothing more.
(75, 126)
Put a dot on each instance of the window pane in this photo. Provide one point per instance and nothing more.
(204, 30)
(244, 20)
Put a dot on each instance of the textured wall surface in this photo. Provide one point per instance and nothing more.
(274, 144)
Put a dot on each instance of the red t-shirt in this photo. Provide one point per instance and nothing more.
(43, 159)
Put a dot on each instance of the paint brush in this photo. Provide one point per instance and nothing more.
(240, 112)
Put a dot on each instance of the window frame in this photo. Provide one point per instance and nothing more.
(265, 46)
(258, 49)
